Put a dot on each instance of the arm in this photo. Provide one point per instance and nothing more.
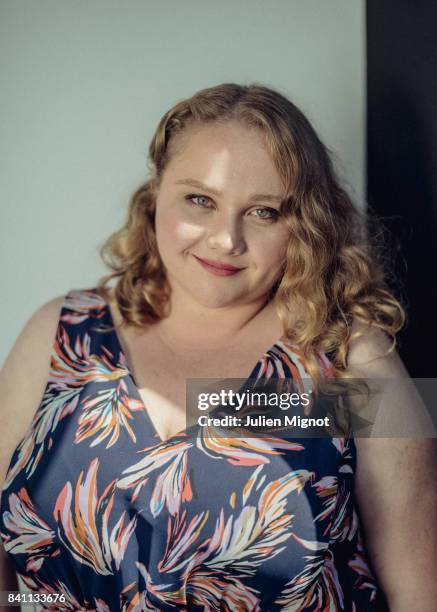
(397, 499)
(22, 381)
(396, 485)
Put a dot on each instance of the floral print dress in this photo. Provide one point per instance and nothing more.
(95, 506)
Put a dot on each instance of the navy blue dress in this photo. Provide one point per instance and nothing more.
(96, 508)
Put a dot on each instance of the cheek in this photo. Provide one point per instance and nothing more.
(174, 231)
(187, 232)
(270, 250)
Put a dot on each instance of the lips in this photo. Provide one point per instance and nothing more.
(218, 265)
(218, 268)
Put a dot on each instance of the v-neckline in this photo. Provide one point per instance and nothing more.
(131, 376)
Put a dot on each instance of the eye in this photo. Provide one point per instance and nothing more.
(193, 196)
(268, 214)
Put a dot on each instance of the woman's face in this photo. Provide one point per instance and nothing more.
(218, 203)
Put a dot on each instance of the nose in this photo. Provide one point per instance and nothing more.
(226, 235)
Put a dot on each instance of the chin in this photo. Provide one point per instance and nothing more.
(216, 299)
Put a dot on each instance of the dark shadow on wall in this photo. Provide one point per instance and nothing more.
(402, 160)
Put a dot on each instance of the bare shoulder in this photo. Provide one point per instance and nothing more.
(396, 409)
(35, 339)
(24, 375)
(371, 352)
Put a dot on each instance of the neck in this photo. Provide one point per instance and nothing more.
(191, 324)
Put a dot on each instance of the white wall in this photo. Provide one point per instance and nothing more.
(84, 84)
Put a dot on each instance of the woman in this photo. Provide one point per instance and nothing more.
(241, 256)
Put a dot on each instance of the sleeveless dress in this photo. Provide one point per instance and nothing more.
(96, 507)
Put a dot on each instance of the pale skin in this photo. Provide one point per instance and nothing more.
(219, 326)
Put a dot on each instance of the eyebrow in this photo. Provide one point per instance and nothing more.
(255, 197)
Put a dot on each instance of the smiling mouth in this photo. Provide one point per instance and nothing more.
(218, 268)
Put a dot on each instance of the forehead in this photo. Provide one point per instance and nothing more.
(229, 149)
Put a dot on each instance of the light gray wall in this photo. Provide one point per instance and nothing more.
(84, 84)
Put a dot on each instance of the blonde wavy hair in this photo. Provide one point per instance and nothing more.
(334, 270)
